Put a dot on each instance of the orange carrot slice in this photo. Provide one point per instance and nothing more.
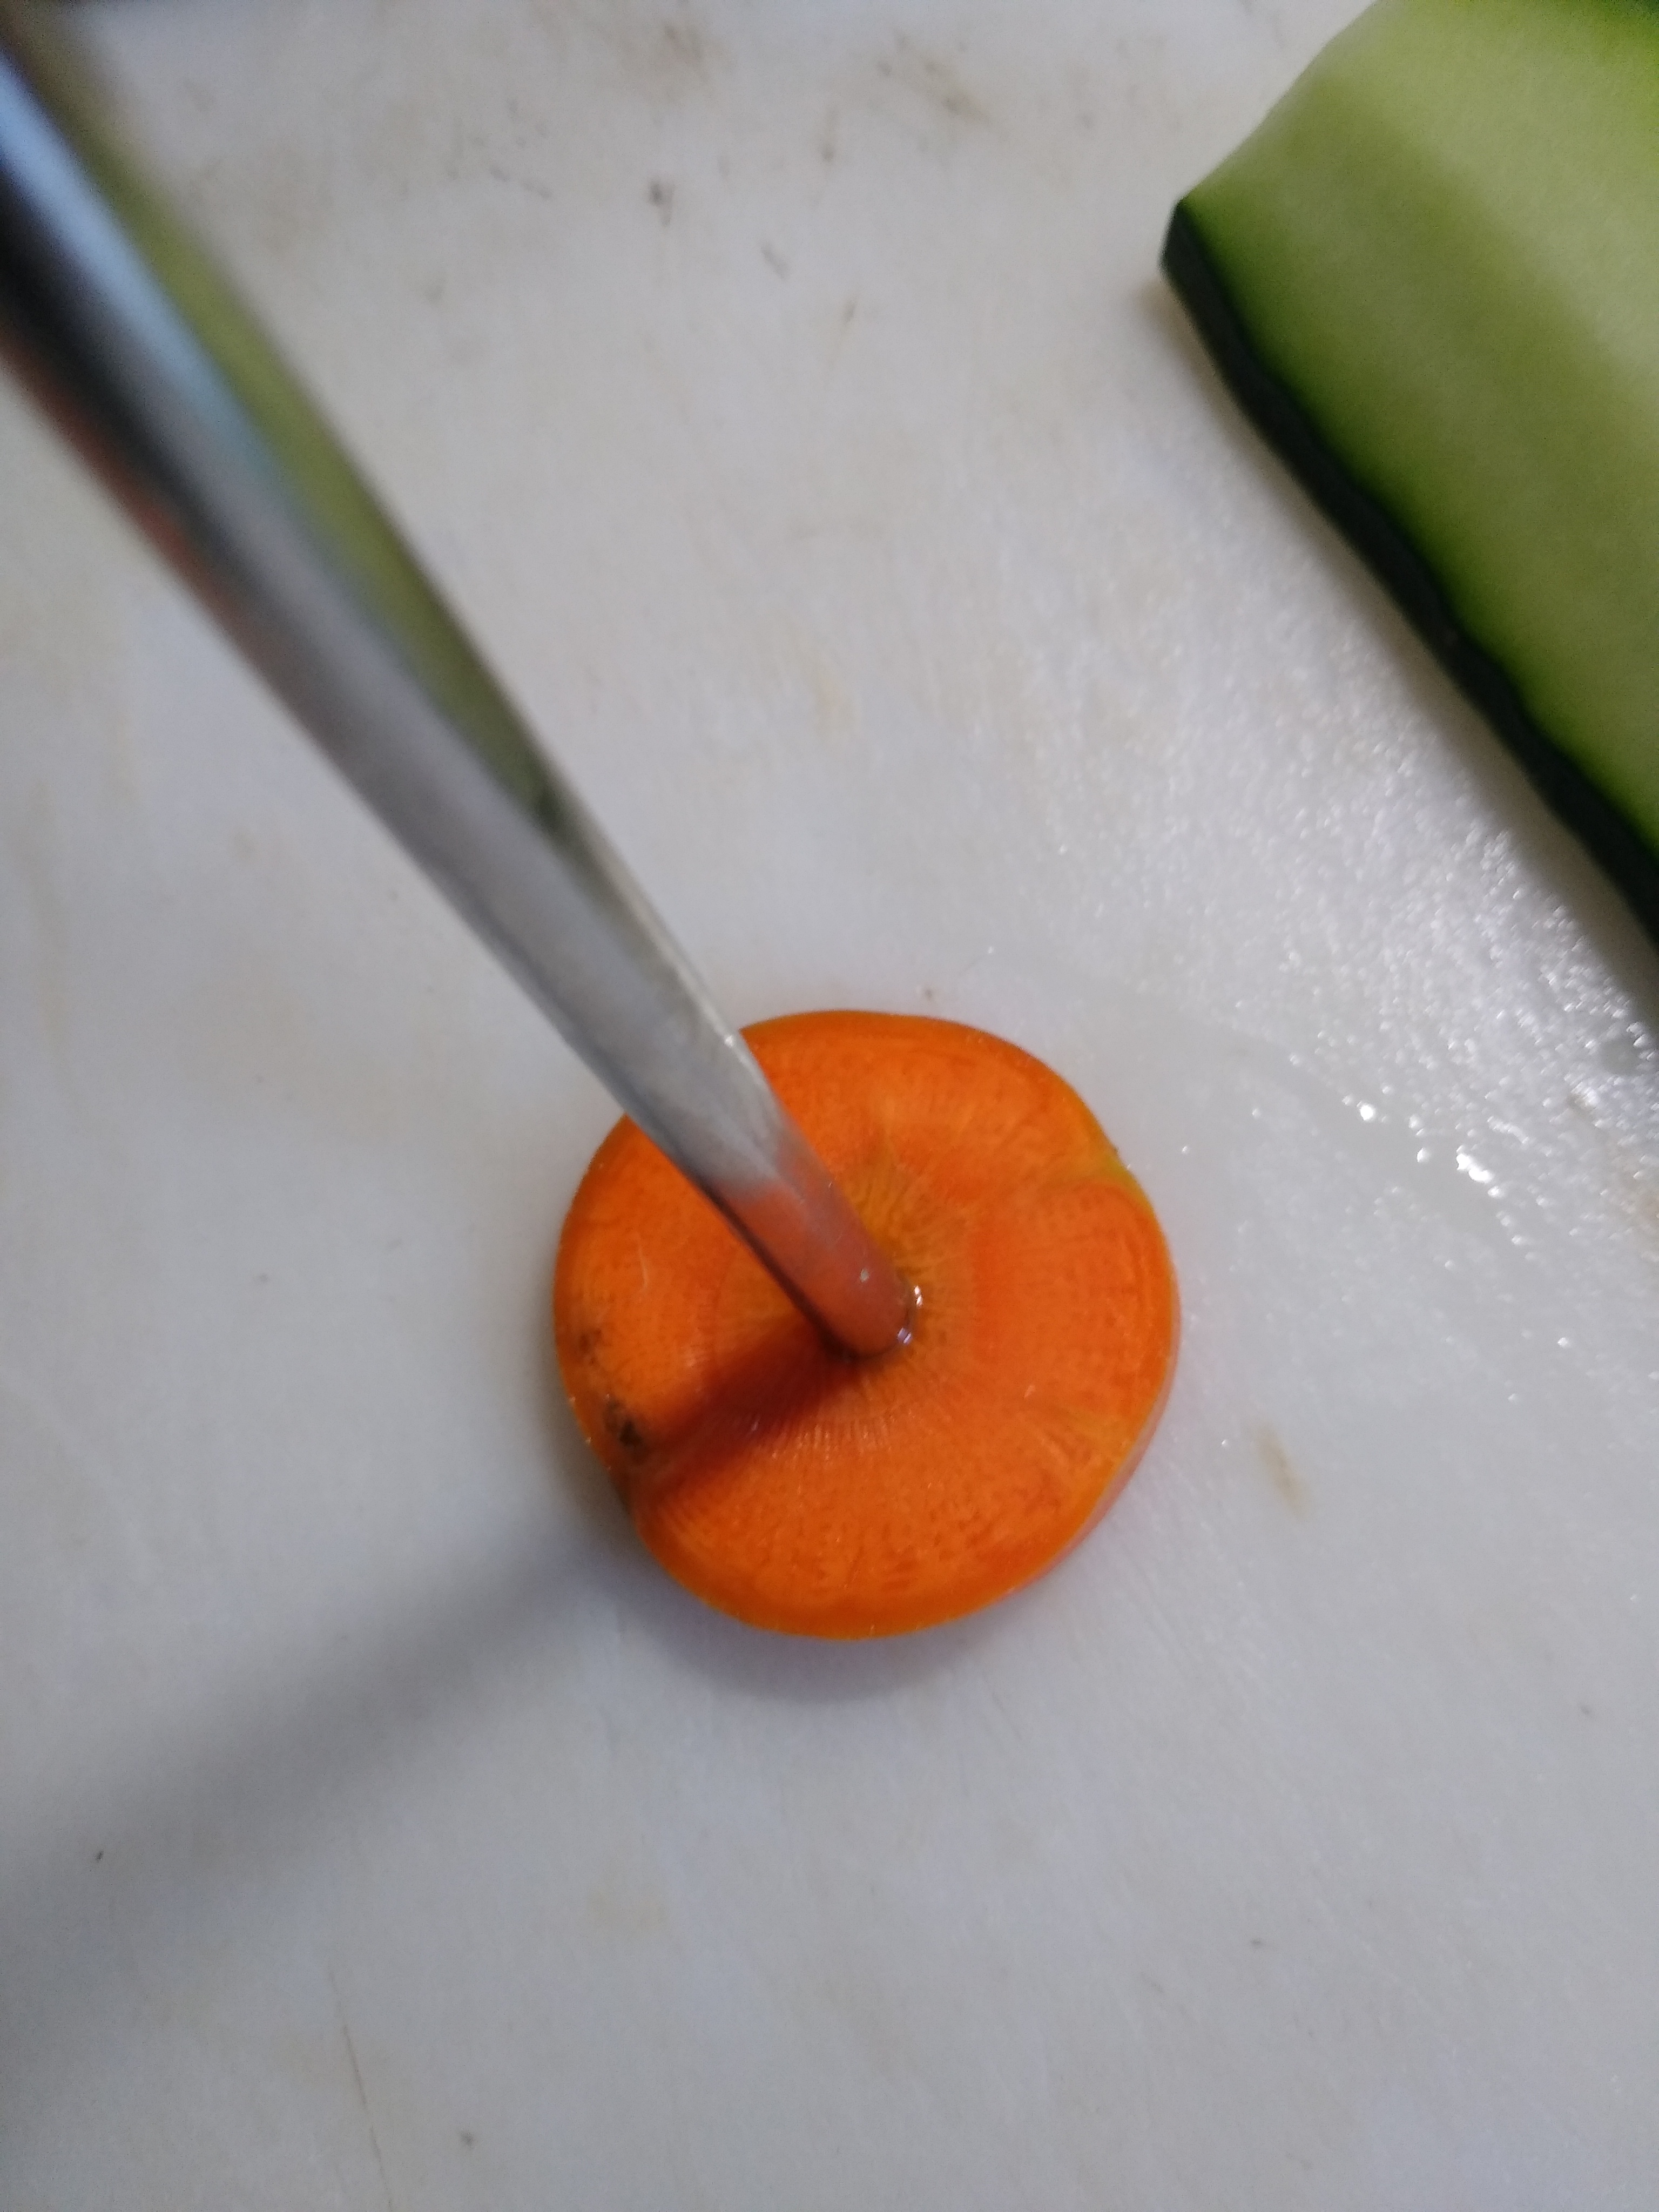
(801, 1490)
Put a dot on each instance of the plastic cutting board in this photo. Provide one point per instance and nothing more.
(787, 395)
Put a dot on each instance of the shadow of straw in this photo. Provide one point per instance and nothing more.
(166, 1845)
(200, 1828)
(755, 1662)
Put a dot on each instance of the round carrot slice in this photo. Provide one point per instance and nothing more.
(802, 1490)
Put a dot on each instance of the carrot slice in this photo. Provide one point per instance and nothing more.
(801, 1490)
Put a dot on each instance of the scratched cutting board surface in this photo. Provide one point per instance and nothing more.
(787, 395)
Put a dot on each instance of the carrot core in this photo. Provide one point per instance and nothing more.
(802, 1490)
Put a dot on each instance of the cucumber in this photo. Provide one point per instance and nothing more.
(1431, 277)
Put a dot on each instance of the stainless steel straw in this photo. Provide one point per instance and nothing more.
(116, 318)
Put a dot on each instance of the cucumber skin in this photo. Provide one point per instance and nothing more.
(1381, 540)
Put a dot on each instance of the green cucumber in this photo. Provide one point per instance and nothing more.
(1431, 277)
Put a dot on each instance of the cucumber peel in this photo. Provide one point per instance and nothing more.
(1431, 277)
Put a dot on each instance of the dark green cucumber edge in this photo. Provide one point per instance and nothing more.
(1385, 548)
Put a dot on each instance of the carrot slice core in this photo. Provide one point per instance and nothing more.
(800, 1490)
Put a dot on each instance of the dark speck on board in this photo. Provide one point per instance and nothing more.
(1277, 1466)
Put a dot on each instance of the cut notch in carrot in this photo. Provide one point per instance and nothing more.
(802, 1491)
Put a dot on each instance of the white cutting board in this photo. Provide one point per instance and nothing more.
(786, 392)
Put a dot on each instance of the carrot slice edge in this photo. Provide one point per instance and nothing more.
(804, 1492)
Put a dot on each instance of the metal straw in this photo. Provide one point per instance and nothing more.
(116, 318)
